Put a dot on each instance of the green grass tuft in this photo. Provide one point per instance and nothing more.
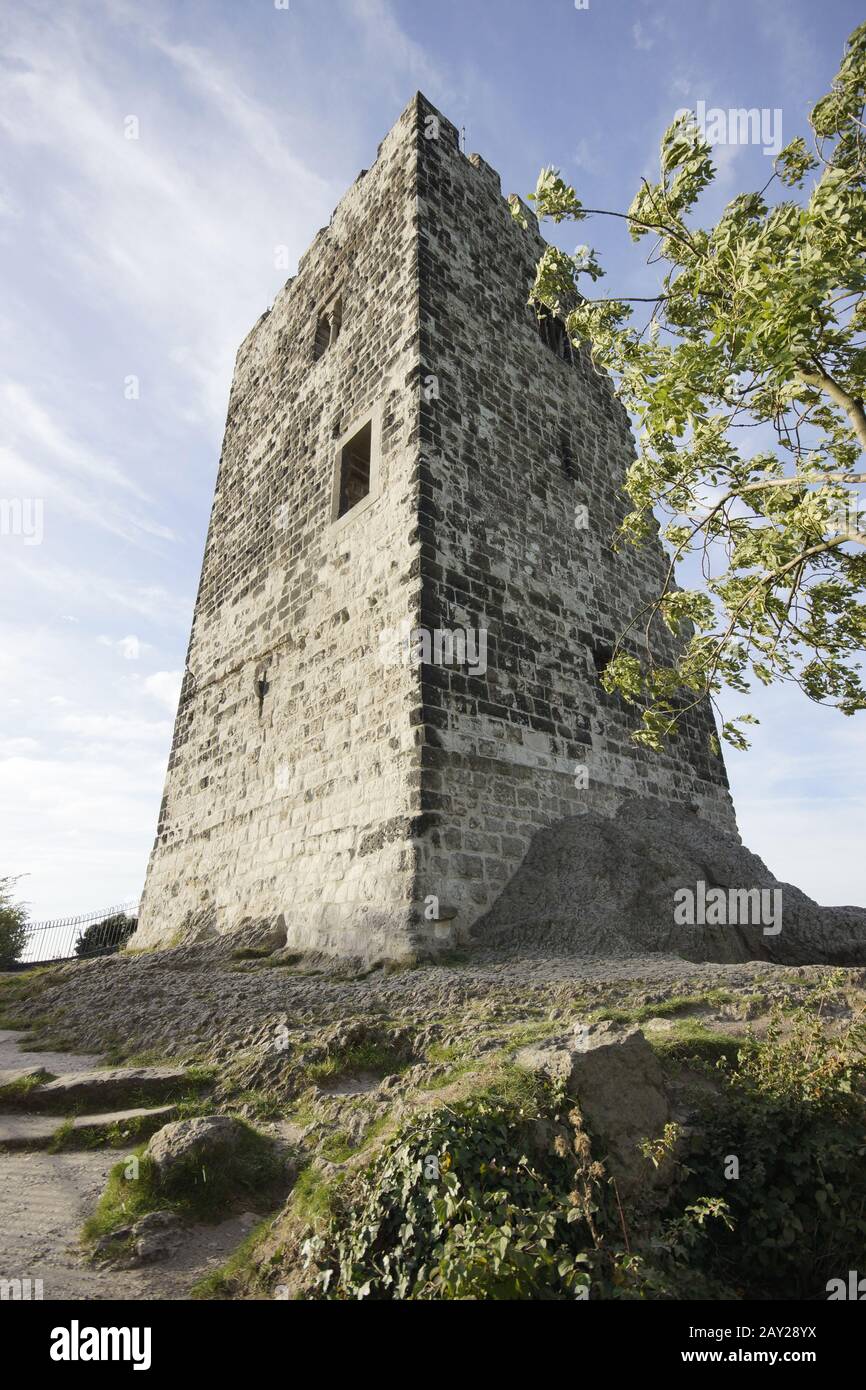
(690, 1039)
(220, 1285)
(14, 1094)
(374, 1058)
(665, 1008)
(314, 1196)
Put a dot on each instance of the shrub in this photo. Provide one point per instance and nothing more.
(793, 1113)
(498, 1197)
(463, 1203)
(13, 925)
(105, 937)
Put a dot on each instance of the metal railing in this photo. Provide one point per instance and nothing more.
(89, 934)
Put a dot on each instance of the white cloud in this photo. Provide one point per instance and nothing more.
(165, 687)
(398, 54)
(681, 86)
(798, 806)
(24, 419)
(98, 593)
(78, 829)
(814, 844)
(783, 28)
(724, 158)
(130, 648)
(16, 747)
(81, 770)
(586, 156)
(153, 225)
(113, 728)
(23, 478)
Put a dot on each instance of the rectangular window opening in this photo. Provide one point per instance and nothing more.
(555, 335)
(602, 656)
(355, 460)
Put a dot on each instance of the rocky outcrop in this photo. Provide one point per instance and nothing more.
(205, 1141)
(616, 1079)
(608, 886)
(107, 1086)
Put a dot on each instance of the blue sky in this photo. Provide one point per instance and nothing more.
(151, 258)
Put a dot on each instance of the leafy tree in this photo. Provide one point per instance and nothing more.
(105, 937)
(756, 333)
(13, 925)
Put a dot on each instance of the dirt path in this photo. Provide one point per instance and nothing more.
(45, 1198)
(15, 1058)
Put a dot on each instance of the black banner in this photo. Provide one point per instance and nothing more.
(62, 1339)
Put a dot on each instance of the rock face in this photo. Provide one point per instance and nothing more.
(616, 1079)
(263, 935)
(40, 1131)
(204, 1141)
(107, 1085)
(606, 886)
(156, 1236)
(382, 705)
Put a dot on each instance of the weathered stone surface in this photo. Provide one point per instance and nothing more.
(598, 885)
(105, 1243)
(204, 1140)
(263, 935)
(309, 777)
(105, 1086)
(13, 1075)
(37, 1131)
(616, 1079)
(357, 1036)
(16, 1060)
(156, 1236)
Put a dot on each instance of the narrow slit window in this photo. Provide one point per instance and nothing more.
(323, 336)
(336, 317)
(328, 327)
(602, 656)
(355, 459)
(569, 463)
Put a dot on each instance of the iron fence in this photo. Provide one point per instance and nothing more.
(89, 934)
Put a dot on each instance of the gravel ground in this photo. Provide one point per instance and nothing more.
(199, 1001)
(203, 1003)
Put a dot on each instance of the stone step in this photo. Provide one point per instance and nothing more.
(105, 1087)
(37, 1131)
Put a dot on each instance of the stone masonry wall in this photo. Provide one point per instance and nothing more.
(513, 439)
(295, 796)
(309, 780)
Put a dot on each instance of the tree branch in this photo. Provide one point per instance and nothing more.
(852, 405)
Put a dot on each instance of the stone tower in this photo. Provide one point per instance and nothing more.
(392, 678)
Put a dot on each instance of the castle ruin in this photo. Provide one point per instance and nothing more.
(408, 589)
